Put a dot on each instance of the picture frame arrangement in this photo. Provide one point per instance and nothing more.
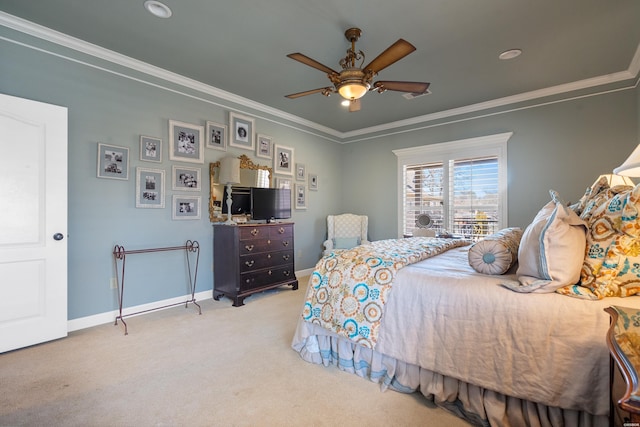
(150, 149)
(186, 178)
(301, 172)
(300, 197)
(186, 142)
(149, 188)
(186, 207)
(217, 135)
(113, 162)
(264, 147)
(242, 129)
(283, 160)
(313, 182)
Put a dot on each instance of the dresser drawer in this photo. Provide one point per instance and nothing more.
(248, 232)
(248, 247)
(281, 231)
(266, 277)
(264, 260)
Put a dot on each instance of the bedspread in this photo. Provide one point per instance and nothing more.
(349, 289)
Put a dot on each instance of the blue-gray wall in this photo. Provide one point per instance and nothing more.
(563, 146)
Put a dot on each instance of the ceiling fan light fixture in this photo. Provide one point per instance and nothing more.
(353, 90)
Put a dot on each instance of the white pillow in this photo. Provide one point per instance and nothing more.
(551, 250)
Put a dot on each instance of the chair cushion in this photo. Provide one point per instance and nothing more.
(345, 242)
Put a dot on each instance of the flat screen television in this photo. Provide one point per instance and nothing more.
(240, 201)
(270, 203)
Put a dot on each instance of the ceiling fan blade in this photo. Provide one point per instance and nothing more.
(394, 53)
(311, 63)
(354, 105)
(322, 90)
(411, 87)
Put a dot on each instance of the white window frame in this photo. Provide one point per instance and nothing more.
(490, 145)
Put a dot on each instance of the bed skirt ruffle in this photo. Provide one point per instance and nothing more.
(475, 404)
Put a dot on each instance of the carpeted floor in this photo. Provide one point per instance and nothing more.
(228, 367)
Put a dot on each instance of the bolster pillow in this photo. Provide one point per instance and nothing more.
(496, 253)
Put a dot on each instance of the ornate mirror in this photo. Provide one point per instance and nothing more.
(251, 175)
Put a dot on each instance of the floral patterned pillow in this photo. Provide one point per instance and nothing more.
(612, 260)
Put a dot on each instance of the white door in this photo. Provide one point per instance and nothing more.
(33, 222)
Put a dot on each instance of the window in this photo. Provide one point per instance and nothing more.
(461, 185)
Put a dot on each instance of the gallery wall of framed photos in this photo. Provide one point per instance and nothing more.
(187, 143)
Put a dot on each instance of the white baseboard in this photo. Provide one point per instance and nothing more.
(110, 316)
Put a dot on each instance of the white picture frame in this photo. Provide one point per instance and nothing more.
(186, 207)
(301, 172)
(150, 149)
(186, 142)
(300, 197)
(241, 131)
(283, 160)
(313, 182)
(264, 147)
(186, 178)
(149, 188)
(113, 162)
(217, 135)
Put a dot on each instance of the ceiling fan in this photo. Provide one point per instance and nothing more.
(354, 80)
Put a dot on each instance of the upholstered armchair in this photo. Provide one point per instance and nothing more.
(345, 231)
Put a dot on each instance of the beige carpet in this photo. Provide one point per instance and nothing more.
(228, 367)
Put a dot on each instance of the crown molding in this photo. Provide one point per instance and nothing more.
(47, 34)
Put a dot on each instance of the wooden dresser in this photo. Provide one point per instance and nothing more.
(250, 258)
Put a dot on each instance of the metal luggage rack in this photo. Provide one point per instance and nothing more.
(119, 254)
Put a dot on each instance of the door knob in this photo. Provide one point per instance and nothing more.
(58, 236)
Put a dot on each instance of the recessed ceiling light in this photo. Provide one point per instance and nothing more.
(158, 9)
(510, 54)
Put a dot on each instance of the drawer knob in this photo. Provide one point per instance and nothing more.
(286, 273)
(249, 263)
(281, 230)
(268, 242)
(269, 256)
(254, 231)
(285, 243)
(247, 281)
(285, 257)
(249, 247)
(270, 272)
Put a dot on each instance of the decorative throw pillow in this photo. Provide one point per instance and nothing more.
(551, 250)
(496, 253)
(345, 242)
(612, 260)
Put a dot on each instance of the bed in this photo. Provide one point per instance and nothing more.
(495, 349)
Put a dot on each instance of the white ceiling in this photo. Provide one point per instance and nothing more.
(240, 46)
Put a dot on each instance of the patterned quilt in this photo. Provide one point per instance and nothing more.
(348, 288)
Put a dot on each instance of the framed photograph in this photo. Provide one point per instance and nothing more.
(217, 136)
(301, 172)
(242, 129)
(283, 160)
(186, 207)
(313, 182)
(186, 142)
(264, 147)
(301, 197)
(149, 188)
(113, 161)
(283, 183)
(150, 149)
(184, 178)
